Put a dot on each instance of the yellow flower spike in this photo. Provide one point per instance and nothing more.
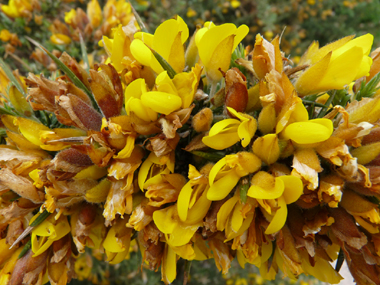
(133, 101)
(312, 131)
(267, 148)
(265, 186)
(47, 232)
(94, 13)
(60, 39)
(216, 44)
(161, 102)
(30, 129)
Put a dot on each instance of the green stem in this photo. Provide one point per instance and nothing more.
(186, 274)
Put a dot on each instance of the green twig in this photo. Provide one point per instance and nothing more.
(27, 246)
(339, 261)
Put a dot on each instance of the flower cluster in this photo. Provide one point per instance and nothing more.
(165, 143)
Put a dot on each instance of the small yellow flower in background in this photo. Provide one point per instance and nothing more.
(229, 131)
(335, 65)
(94, 12)
(191, 12)
(17, 8)
(60, 39)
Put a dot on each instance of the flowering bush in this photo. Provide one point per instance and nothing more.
(193, 147)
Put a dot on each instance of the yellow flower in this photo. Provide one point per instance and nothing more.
(5, 35)
(226, 133)
(47, 232)
(192, 204)
(117, 12)
(234, 217)
(285, 189)
(94, 12)
(152, 168)
(267, 148)
(70, 16)
(17, 8)
(216, 44)
(226, 173)
(334, 65)
(60, 39)
(117, 241)
(168, 41)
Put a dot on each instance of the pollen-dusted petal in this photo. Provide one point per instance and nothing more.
(221, 188)
(312, 131)
(293, 188)
(365, 154)
(267, 148)
(98, 194)
(161, 102)
(265, 186)
(307, 82)
(279, 218)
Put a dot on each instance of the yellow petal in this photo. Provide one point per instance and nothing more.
(160, 102)
(31, 129)
(293, 188)
(169, 265)
(224, 212)
(312, 131)
(270, 191)
(221, 188)
(60, 39)
(98, 194)
(267, 148)
(365, 154)
(279, 218)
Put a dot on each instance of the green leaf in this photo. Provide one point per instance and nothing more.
(68, 72)
(243, 192)
(339, 261)
(368, 89)
(11, 77)
(165, 65)
(27, 246)
(84, 53)
(138, 19)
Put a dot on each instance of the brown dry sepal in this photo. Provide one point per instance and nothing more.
(81, 115)
(21, 185)
(42, 92)
(72, 64)
(202, 120)
(288, 251)
(97, 148)
(236, 90)
(172, 122)
(19, 208)
(149, 238)
(344, 228)
(362, 272)
(141, 216)
(70, 160)
(61, 249)
(107, 90)
(209, 223)
(28, 269)
(161, 145)
(142, 127)
(14, 159)
(196, 143)
(221, 253)
(15, 229)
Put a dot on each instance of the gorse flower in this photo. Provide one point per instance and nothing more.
(164, 146)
